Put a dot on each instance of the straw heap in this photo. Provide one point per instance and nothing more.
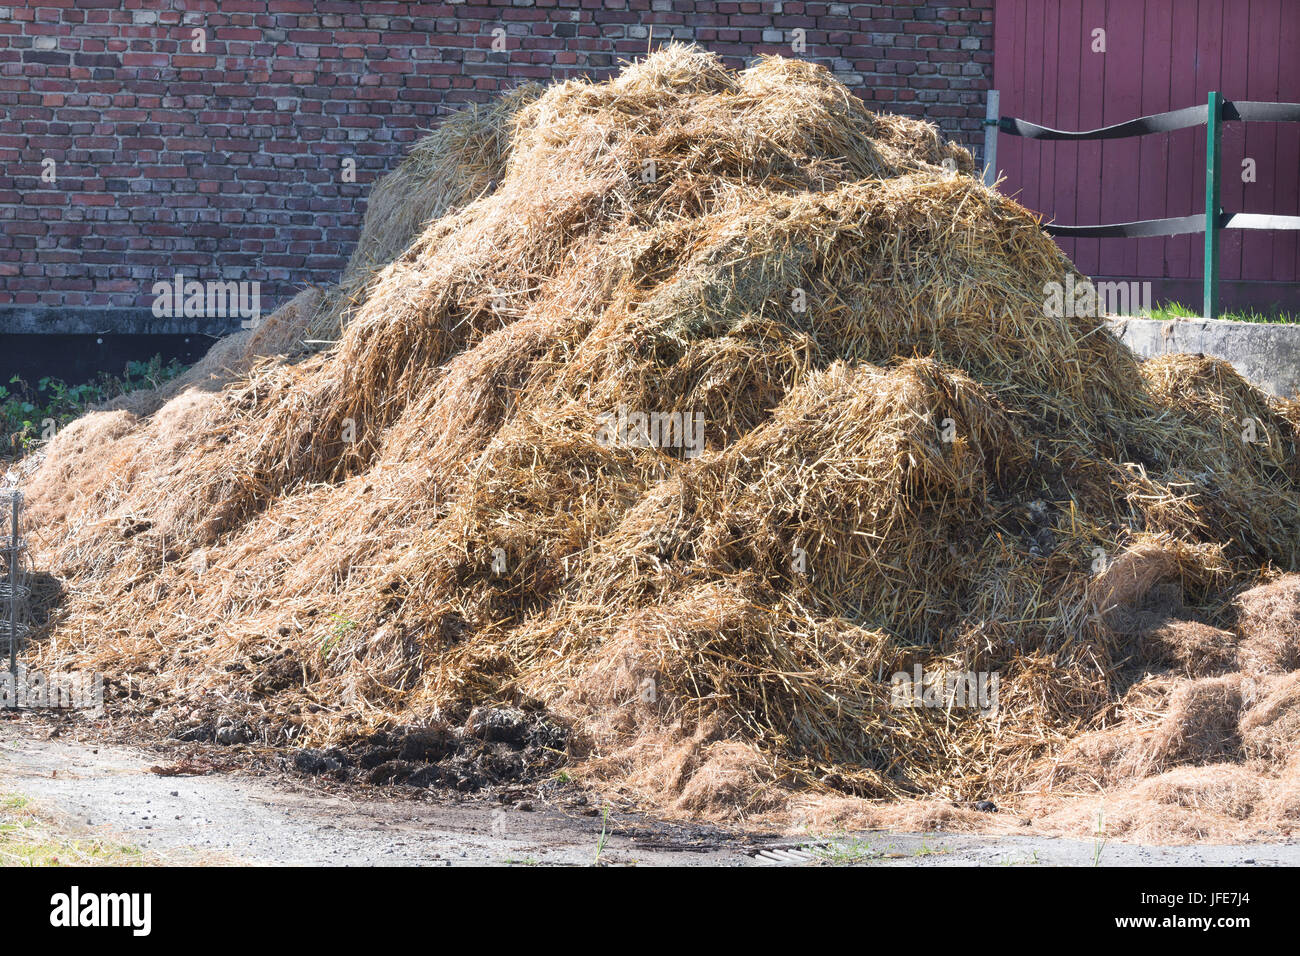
(904, 460)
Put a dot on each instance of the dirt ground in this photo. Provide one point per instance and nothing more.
(109, 793)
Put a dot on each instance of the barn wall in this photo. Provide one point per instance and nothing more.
(1160, 55)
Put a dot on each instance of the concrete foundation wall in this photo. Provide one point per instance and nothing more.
(1266, 354)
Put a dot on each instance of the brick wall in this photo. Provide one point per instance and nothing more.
(226, 163)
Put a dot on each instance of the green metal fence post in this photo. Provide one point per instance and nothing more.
(1212, 206)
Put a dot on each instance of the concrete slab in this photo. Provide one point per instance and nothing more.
(1267, 354)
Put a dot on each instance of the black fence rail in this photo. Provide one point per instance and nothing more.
(1214, 220)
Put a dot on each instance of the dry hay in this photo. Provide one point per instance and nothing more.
(1214, 803)
(1270, 731)
(1269, 617)
(1194, 648)
(905, 461)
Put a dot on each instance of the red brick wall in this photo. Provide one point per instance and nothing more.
(226, 164)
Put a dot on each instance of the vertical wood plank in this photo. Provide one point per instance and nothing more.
(1069, 53)
(1183, 144)
(1008, 54)
(1260, 140)
(1122, 100)
(1286, 245)
(1035, 66)
(1235, 70)
(1154, 155)
(1092, 91)
(1049, 154)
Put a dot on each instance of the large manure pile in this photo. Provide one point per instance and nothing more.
(903, 459)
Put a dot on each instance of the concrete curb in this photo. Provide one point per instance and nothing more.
(1266, 354)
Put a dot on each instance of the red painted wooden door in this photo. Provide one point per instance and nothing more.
(1158, 55)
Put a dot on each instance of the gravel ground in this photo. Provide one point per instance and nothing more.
(236, 818)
